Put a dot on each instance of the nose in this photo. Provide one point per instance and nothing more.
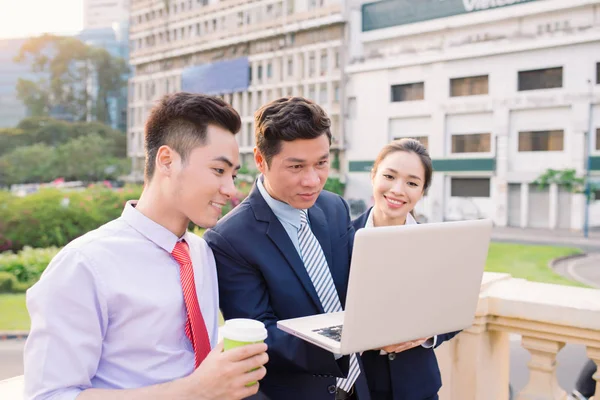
(311, 178)
(228, 188)
(398, 187)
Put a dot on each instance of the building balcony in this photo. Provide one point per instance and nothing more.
(475, 364)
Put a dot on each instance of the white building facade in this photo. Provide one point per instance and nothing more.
(104, 13)
(498, 91)
(247, 52)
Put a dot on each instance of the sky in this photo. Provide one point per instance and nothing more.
(23, 18)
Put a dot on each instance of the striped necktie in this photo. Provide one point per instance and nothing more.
(320, 275)
(195, 328)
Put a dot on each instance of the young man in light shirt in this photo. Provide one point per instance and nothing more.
(129, 310)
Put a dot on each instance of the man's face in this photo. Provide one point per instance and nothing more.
(298, 173)
(202, 185)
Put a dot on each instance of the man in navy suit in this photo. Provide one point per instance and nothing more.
(285, 252)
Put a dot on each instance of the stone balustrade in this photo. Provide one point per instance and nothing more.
(475, 364)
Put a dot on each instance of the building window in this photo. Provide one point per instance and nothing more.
(470, 187)
(311, 65)
(548, 78)
(471, 143)
(541, 141)
(598, 139)
(337, 59)
(323, 94)
(269, 70)
(469, 86)
(408, 92)
(290, 66)
(311, 93)
(249, 134)
(259, 72)
(336, 93)
(323, 63)
(598, 73)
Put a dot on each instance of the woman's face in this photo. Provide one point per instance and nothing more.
(398, 185)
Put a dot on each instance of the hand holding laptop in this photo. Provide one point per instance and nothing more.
(400, 347)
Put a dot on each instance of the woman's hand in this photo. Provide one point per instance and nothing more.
(400, 347)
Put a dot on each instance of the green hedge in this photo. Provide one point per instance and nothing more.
(53, 217)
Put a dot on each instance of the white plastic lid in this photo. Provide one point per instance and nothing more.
(244, 330)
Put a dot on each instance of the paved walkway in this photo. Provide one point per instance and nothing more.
(558, 237)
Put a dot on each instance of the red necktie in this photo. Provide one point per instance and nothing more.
(195, 328)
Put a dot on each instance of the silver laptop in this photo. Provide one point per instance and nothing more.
(406, 282)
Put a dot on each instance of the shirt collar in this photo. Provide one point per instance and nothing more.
(283, 211)
(153, 231)
(410, 220)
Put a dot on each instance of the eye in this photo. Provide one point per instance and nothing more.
(386, 176)
(219, 171)
(322, 163)
(413, 184)
(297, 166)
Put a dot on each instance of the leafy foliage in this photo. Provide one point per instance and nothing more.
(67, 66)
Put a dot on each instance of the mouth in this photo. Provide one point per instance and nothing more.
(308, 196)
(219, 206)
(394, 203)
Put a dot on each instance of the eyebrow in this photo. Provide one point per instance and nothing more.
(299, 160)
(227, 161)
(410, 176)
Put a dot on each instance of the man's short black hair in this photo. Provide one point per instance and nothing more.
(180, 120)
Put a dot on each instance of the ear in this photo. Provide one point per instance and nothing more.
(165, 157)
(260, 161)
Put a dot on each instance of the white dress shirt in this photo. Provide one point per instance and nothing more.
(109, 312)
(410, 220)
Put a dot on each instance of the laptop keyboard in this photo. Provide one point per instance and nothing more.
(332, 332)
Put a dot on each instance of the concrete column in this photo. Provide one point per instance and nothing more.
(542, 384)
(500, 133)
(553, 206)
(524, 205)
(475, 364)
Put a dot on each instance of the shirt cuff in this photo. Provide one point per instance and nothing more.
(431, 342)
(337, 356)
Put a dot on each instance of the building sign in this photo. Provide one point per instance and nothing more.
(388, 13)
(216, 78)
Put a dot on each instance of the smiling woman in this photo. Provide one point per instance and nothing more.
(33, 17)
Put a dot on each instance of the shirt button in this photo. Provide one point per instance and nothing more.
(392, 356)
(331, 389)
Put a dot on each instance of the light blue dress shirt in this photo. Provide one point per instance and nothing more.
(286, 214)
(108, 312)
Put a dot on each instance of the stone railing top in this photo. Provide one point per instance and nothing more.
(554, 304)
(12, 389)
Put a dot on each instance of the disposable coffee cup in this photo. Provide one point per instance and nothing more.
(240, 332)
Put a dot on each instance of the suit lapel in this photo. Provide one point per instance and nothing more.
(278, 235)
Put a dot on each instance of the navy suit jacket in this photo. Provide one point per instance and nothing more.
(412, 374)
(262, 276)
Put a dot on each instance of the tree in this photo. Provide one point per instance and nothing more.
(28, 164)
(89, 158)
(77, 79)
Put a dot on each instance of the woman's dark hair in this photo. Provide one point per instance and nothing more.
(288, 119)
(180, 120)
(409, 146)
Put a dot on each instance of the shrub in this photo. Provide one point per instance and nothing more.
(7, 282)
(27, 265)
(53, 217)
